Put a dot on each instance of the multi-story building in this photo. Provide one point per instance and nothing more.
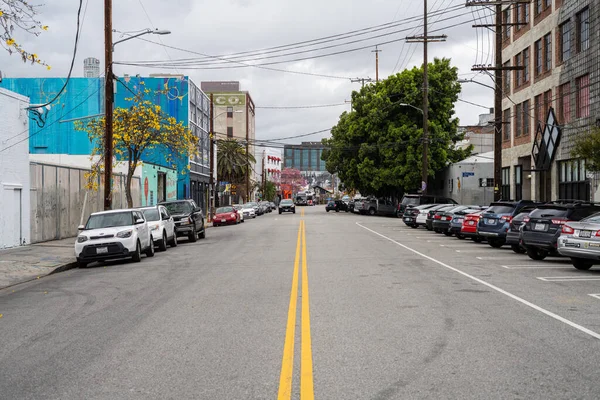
(270, 162)
(556, 43)
(233, 114)
(306, 157)
(480, 136)
(91, 67)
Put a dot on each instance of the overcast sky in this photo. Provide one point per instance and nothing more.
(233, 26)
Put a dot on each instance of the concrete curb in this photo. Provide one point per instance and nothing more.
(55, 270)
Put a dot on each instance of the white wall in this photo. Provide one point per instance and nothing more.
(14, 170)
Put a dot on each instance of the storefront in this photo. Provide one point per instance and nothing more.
(158, 184)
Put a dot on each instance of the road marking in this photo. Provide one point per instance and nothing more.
(595, 295)
(450, 246)
(496, 288)
(287, 363)
(567, 278)
(497, 258)
(306, 361)
(530, 266)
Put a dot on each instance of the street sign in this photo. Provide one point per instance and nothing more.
(423, 186)
(467, 174)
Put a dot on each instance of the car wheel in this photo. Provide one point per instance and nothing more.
(517, 249)
(193, 236)
(536, 254)
(428, 228)
(477, 239)
(398, 214)
(448, 233)
(496, 243)
(81, 264)
(163, 243)
(337, 210)
(255, 216)
(174, 240)
(371, 211)
(137, 256)
(150, 250)
(202, 234)
(414, 226)
(294, 212)
(215, 225)
(437, 230)
(461, 237)
(582, 264)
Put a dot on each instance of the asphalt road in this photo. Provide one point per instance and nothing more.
(387, 312)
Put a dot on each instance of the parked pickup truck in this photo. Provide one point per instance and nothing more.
(381, 206)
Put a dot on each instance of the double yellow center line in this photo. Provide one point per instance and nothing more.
(287, 365)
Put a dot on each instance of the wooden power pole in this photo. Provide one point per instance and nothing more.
(211, 183)
(108, 105)
(377, 51)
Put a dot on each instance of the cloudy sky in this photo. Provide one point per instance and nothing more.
(207, 27)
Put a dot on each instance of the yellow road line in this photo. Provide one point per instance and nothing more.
(302, 212)
(306, 362)
(287, 364)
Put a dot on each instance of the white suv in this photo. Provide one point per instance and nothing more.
(110, 235)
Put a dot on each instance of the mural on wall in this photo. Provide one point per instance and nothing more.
(318, 178)
(158, 184)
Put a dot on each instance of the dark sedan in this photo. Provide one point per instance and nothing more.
(287, 205)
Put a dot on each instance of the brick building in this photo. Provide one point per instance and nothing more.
(556, 42)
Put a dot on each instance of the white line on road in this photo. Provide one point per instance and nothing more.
(496, 258)
(567, 278)
(549, 266)
(596, 296)
(496, 288)
(450, 246)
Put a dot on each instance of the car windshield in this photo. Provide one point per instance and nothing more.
(592, 218)
(109, 220)
(543, 212)
(286, 202)
(151, 214)
(410, 200)
(500, 209)
(251, 204)
(223, 210)
(179, 207)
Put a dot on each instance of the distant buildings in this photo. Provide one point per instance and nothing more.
(481, 136)
(271, 162)
(306, 157)
(91, 68)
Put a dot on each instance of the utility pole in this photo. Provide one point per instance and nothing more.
(425, 39)
(264, 181)
(377, 51)
(108, 105)
(247, 151)
(362, 80)
(211, 188)
(498, 68)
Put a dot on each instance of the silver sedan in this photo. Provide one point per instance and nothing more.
(581, 242)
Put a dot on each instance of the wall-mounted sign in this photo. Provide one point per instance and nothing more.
(547, 139)
(229, 99)
(466, 174)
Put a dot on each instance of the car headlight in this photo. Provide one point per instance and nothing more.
(81, 239)
(154, 227)
(125, 234)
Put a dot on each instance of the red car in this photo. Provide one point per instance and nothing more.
(469, 226)
(226, 216)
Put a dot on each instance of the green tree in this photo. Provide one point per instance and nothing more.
(232, 162)
(20, 15)
(587, 146)
(377, 147)
(136, 130)
(269, 191)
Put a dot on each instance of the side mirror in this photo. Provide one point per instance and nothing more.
(81, 227)
(139, 221)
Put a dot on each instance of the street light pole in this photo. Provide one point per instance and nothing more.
(425, 171)
(211, 188)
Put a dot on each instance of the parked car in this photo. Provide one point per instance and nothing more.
(239, 208)
(436, 214)
(110, 235)
(188, 217)
(458, 218)
(513, 236)
(495, 221)
(248, 211)
(226, 216)
(161, 225)
(442, 224)
(581, 242)
(257, 209)
(412, 214)
(421, 219)
(411, 200)
(359, 204)
(287, 205)
(542, 228)
(351, 205)
(267, 206)
(273, 206)
(469, 227)
(381, 206)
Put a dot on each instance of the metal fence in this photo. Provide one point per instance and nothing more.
(60, 200)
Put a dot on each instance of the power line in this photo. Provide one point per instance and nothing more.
(300, 107)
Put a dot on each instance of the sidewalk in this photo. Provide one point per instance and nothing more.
(26, 263)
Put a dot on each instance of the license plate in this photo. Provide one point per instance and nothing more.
(540, 227)
(490, 221)
(459, 220)
(101, 250)
(223, 220)
(585, 234)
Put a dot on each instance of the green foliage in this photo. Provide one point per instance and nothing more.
(232, 162)
(269, 191)
(377, 147)
(587, 147)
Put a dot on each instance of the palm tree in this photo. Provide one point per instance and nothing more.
(232, 161)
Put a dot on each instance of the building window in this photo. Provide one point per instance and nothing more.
(521, 16)
(548, 52)
(583, 96)
(506, 79)
(297, 160)
(506, 126)
(573, 183)
(565, 41)
(518, 182)
(506, 22)
(230, 131)
(583, 30)
(526, 65)
(564, 103)
(538, 110)
(538, 7)
(538, 57)
(518, 120)
(519, 72)
(547, 104)
(229, 112)
(306, 160)
(505, 187)
(525, 116)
